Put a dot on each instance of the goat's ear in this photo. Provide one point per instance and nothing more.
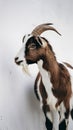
(39, 40)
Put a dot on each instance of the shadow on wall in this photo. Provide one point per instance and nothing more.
(35, 114)
(32, 101)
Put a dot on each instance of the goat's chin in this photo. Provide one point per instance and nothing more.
(25, 69)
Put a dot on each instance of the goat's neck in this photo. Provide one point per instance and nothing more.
(50, 65)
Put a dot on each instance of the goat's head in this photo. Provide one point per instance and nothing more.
(33, 46)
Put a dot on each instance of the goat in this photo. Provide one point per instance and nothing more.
(54, 83)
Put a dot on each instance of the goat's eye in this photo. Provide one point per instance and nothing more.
(32, 46)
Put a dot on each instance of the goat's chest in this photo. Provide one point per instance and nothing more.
(51, 99)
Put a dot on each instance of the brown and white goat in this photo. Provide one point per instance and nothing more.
(54, 83)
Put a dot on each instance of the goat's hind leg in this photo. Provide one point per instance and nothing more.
(64, 123)
(47, 113)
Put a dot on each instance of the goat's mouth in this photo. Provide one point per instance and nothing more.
(19, 62)
(30, 61)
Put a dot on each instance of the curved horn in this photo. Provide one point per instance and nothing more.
(44, 27)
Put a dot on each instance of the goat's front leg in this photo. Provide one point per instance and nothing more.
(48, 123)
(48, 117)
(52, 118)
(64, 118)
(55, 119)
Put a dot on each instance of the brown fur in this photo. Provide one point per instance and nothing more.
(43, 93)
(60, 79)
(39, 48)
(41, 89)
(63, 92)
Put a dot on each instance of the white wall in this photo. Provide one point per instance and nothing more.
(19, 108)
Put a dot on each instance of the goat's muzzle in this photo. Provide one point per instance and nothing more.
(24, 66)
(17, 61)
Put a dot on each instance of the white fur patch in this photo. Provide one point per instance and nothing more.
(49, 116)
(62, 111)
(21, 53)
(51, 100)
(55, 119)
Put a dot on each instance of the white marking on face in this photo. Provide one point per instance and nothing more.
(21, 53)
(27, 37)
(51, 99)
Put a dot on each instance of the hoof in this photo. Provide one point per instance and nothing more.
(72, 114)
(48, 124)
(62, 125)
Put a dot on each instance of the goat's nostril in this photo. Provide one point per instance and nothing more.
(16, 59)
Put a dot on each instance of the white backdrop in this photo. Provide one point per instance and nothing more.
(19, 108)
